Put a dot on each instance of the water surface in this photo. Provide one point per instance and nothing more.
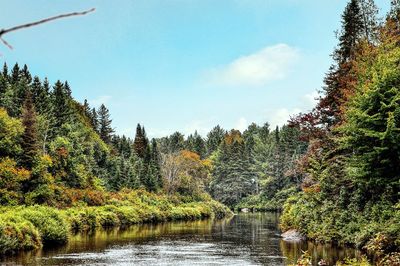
(245, 239)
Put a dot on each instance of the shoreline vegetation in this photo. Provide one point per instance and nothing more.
(32, 227)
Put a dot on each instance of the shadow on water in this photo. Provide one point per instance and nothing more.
(245, 239)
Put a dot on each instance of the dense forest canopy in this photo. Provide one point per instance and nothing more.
(62, 143)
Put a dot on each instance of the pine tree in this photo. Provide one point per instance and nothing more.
(94, 119)
(5, 70)
(3, 80)
(155, 165)
(15, 74)
(67, 89)
(214, 139)
(140, 144)
(9, 102)
(233, 178)
(86, 108)
(29, 139)
(199, 146)
(353, 29)
(176, 142)
(60, 105)
(105, 129)
(358, 23)
(43, 99)
(26, 75)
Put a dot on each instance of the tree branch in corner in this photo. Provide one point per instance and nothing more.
(32, 24)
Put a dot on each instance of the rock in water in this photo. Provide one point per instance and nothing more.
(292, 235)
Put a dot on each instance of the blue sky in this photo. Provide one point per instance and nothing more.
(182, 65)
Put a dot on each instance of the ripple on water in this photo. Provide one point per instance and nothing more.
(164, 253)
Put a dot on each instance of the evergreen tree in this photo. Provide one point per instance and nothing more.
(155, 165)
(9, 102)
(176, 142)
(29, 138)
(67, 89)
(94, 119)
(15, 74)
(371, 132)
(5, 70)
(3, 83)
(105, 129)
(86, 108)
(353, 29)
(214, 139)
(195, 143)
(233, 178)
(26, 75)
(358, 23)
(60, 105)
(43, 99)
(140, 144)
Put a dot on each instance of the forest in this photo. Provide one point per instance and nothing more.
(333, 172)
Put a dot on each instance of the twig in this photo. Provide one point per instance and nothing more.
(31, 24)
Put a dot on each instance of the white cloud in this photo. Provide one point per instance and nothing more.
(202, 127)
(311, 99)
(241, 124)
(157, 133)
(281, 116)
(103, 99)
(257, 69)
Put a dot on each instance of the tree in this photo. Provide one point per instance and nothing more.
(184, 172)
(11, 130)
(214, 139)
(60, 105)
(196, 144)
(176, 142)
(371, 132)
(105, 129)
(94, 119)
(29, 144)
(154, 167)
(15, 74)
(232, 177)
(26, 75)
(370, 21)
(140, 144)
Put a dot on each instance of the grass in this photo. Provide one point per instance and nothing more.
(31, 227)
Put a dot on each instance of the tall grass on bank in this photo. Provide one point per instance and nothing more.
(31, 227)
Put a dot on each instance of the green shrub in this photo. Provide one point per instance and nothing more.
(17, 233)
(82, 218)
(52, 226)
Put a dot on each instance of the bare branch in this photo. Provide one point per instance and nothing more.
(31, 24)
(6, 43)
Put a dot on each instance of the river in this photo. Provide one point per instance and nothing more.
(245, 239)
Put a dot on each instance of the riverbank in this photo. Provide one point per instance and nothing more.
(31, 227)
(244, 239)
(374, 229)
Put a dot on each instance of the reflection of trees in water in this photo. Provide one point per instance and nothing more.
(253, 236)
(329, 252)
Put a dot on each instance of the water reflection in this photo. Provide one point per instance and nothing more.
(246, 239)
